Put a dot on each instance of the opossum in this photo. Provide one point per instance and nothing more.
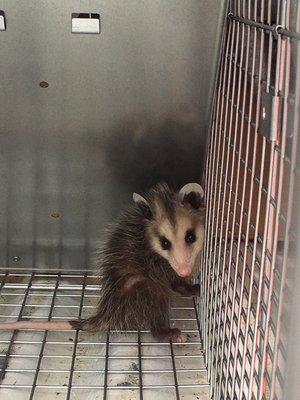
(149, 254)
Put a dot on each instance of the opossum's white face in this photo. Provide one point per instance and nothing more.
(180, 243)
(176, 231)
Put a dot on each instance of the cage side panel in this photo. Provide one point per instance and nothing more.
(251, 192)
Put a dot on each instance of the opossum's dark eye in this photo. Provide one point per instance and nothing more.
(190, 236)
(165, 243)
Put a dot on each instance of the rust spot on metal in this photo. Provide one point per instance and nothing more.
(55, 214)
(44, 84)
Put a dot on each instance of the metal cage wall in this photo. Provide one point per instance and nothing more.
(252, 184)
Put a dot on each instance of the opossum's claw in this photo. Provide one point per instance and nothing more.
(173, 334)
(181, 338)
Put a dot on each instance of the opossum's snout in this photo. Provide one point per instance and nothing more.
(184, 271)
(181, 246)
(183, 259)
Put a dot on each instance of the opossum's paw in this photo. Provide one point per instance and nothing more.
(178, 336)
(173, 333)
(195, 290)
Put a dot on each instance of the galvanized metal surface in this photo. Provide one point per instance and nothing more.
(87, 119)
(252, 190)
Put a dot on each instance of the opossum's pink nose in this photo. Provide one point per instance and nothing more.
(184, 272)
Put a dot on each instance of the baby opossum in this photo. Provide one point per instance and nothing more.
(149, 255)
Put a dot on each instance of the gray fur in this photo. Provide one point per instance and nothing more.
(128, 254)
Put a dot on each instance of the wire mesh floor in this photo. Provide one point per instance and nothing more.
(81, 365)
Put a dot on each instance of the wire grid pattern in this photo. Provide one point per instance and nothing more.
(81, 365)
(252, 184)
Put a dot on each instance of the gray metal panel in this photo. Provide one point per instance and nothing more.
(123, 109)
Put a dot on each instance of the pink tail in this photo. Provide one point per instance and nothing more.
(37, 325)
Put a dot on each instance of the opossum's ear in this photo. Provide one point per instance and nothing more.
(193, 194)
(143, 205)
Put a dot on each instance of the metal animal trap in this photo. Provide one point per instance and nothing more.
(77, 141)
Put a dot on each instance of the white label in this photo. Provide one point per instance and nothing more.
(2, 23)
(85, 25)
